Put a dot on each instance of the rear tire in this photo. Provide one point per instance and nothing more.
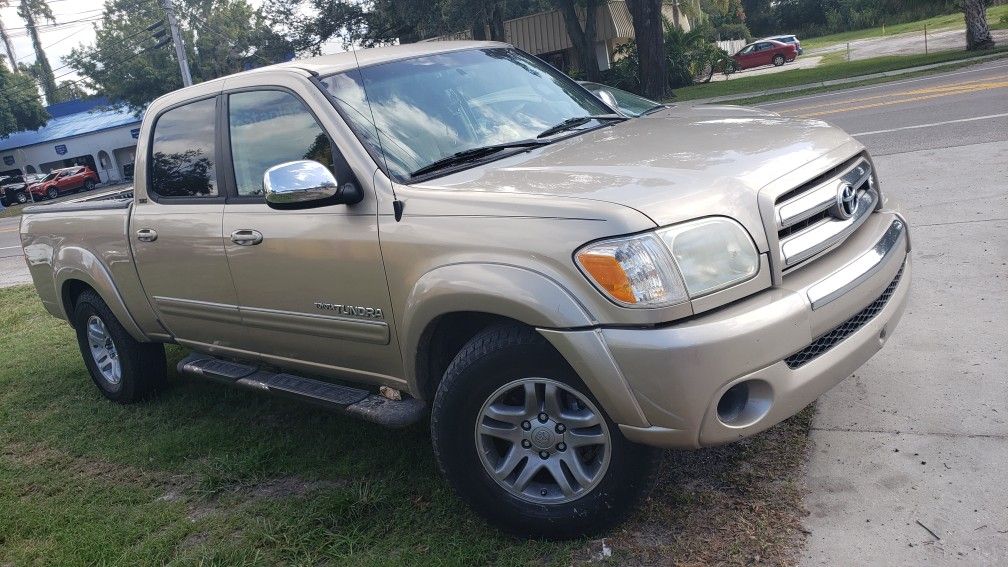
(507, 360)
(22, 197)
(124, 369)
(52, 193)
(778, 60)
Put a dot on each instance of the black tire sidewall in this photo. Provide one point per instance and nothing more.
(22, 198)
(143, 365)
(779, 60)
(52, 193)
(457, 405)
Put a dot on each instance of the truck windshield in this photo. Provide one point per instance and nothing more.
(425, 109)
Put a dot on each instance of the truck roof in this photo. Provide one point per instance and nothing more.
(326, 64)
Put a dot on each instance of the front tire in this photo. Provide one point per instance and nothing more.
(52, 193)
(124, 369)
(524, 443)
(89, 185)
(22, 197)
(778, 60)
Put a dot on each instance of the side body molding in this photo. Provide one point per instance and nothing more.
(74, 263)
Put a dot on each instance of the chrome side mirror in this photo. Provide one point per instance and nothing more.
(608, 98)
(305, 184)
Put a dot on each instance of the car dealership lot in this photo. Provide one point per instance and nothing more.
(918, 434)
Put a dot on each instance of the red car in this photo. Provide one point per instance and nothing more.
(765, 52)
(64, 181)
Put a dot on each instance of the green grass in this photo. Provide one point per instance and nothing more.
(209, 475)
(937, 23)
(11, 211)
(825, 72)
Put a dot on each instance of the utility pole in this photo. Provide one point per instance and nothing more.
(180, 51)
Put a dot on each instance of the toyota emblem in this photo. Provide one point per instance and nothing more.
(846, 201)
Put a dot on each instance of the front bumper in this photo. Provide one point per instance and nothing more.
(786, 352)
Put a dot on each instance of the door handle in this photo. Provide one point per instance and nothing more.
(246, 237)
(146, 235)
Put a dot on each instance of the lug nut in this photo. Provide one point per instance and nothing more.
(526, 443)
(543, 417)
(560, 428)
(543, 454)
(561, 446)
(526, 425)
(544, 492)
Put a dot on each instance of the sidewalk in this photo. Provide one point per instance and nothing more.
(848, 80)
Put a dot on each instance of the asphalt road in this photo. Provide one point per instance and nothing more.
(917, 437)
(13, 270)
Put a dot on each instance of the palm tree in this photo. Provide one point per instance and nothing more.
(11, 58)
(30, 10)
(978, 35)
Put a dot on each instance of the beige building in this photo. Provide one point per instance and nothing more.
(545, 34)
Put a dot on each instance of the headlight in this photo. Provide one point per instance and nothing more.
(671, 265)
(635, 271)
(712, 254)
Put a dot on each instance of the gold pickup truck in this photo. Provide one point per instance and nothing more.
(562, 279)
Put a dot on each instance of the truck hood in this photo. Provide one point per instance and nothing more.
(673, 165)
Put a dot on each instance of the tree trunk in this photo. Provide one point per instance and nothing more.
(496, 23)
(648, 33)
(583, 39)
(11, 57)
(479, 30)
(43, 69)
(978, 35)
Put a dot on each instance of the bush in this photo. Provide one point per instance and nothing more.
(734, 31)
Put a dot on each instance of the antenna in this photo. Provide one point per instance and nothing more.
(397, 205)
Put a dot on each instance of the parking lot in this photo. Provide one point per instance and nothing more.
(915, 441)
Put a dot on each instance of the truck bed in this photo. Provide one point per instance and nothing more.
(83, 242)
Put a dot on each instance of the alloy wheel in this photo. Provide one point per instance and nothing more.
(103, 351)
(543, 441)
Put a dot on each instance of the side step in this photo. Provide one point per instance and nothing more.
(345, 399)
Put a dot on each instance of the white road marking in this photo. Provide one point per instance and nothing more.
(932, 125)
(8, 247)
(891, 84)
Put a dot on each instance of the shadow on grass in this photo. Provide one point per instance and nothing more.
(206, 473)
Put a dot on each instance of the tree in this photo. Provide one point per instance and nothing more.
(978, 35)
(583, 39)
(222, 37)
(20, 106)
(8, 46)
(30, 10)
(648, 33)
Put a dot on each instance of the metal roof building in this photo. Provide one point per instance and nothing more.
(90, 132)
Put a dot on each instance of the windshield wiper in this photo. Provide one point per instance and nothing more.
(473, 154)
(576, 121)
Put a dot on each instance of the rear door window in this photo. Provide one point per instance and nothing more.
(182, 158)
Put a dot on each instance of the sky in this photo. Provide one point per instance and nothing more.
(75, 20)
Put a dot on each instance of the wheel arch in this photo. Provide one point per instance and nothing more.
(451, 304)
(80, 271)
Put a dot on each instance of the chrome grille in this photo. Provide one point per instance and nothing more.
(815, 218)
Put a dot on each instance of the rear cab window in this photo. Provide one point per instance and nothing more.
(182, 154)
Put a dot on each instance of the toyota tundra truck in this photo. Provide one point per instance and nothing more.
(456, 231)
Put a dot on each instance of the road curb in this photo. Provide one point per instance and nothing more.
(835, 82)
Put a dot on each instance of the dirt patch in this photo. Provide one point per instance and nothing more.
(740, 504)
